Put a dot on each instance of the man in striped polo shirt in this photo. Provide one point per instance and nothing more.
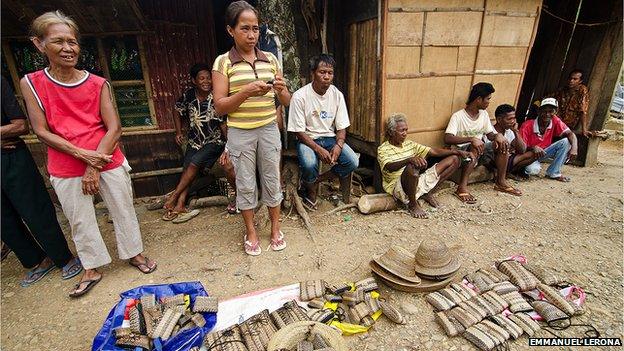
(404, 167)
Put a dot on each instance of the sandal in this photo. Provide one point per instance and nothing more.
(185, 216)
(508, 190)
(309, 205)
(72, 268)
(232, 208)
(35, 275)
(145, 264)
(561, 178)
(252, 249)
(279, 244)
(466, 198)
(90, 284)
(170, 215)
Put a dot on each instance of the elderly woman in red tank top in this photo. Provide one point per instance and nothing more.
(72, 112)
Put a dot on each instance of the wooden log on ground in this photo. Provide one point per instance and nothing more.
(209, 201)
(376, 203)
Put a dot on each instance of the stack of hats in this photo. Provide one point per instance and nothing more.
(431, 268)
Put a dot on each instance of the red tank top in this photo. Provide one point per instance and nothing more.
(72, 112)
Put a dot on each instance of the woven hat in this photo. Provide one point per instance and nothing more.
(434, 260)
(289, 336)
(399, 262)
(396, 283)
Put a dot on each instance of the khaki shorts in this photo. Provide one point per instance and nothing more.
(250, 149)
(426, 181)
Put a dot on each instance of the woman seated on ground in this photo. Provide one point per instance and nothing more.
(72, 112)
(246, 81)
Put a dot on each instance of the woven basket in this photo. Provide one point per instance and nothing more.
(289, 336)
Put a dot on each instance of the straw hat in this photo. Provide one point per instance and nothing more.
(397, 283)
(434, 260)
(399, 262)
(289, 336)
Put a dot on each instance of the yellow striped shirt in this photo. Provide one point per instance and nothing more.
(256, 111)
(388, 153)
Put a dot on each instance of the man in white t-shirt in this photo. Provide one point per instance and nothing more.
(318, 115)
(466, 130)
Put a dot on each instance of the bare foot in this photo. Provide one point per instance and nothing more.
(431, 200)
(417, 212)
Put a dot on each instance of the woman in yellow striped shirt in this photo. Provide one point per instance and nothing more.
(246, 82)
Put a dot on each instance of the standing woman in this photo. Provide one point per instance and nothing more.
(72, 112)
(246, 81)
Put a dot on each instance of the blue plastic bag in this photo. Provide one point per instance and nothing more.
(183, 341)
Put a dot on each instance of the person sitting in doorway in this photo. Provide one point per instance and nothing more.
(318, 115)
(519, 156)
(573, 101)
(205, 141)
(406, 174)
(466, 130)
(539, 134)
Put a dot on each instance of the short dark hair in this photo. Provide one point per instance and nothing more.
(196, 68)
(480, 90)
(578, 70)
(234, 10)
(316, 60)
(503, 109)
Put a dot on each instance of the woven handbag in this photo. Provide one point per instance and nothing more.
(548, 311)
(450, 325)
(525, 322)
(519, 275)
(439, 302)
(257, 330)
(311, 289)
(516, 302)
(481, 340)
(453, 296)
(465, 291)
(556, 299)
(206, 304)
(392, 313)
(225, 340)
(512, 328)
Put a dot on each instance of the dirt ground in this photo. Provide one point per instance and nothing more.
(575, 228)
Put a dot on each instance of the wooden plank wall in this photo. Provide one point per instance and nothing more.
(183, 34)
(435, 50)
(362, 79)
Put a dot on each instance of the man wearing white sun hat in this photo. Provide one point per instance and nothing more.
(539, 135)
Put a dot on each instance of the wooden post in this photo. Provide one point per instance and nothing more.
(146, 78)
(376, 203)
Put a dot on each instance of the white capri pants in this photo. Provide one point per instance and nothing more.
(116, 190)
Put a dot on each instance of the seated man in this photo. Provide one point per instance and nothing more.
(466, 130)
(318, 115)
(404, 167)
(539, 134)
(519, 156)
(206, 141)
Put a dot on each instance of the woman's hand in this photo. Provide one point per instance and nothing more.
(257, 88)
(91, 181)
(278, 84)
(179, 138)
(93, 158)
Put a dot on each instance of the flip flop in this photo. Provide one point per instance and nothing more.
(185, 216)
(279, 244)
(232, 208)
(35, 275)
(309, 205)
(72, 268)
(561, 178)
(144, 264)
(5, 252)
(90, 284)
(509, 190)
(170, 215)
(250, 248)
(466, 198)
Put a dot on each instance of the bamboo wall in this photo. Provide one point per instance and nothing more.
(435, 50)
(362, 84)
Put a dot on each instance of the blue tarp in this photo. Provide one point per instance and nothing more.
(183, 341)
